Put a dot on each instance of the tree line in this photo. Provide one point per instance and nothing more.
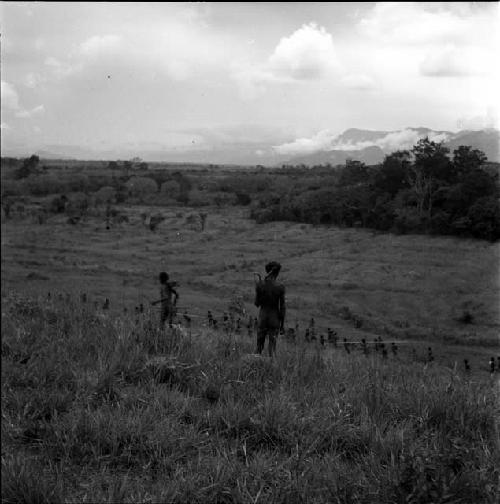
(423, 190)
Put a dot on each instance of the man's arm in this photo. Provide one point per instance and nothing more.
(282, 308)
(257, 302)
(175, 294)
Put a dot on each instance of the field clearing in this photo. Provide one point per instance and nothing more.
(363, 284)
(100, 406)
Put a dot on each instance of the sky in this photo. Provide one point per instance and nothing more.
(119, 78)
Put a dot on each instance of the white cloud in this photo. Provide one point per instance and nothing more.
(4, 126)
(326, 141)
(28, 114)
(11, 103)
(424, 23)
(307, 54)
(32, 80)
(61, 69)
(99, 45)
(450, 61)
(321, 141)
(481, 121)
(10, 98)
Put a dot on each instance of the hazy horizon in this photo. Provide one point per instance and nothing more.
(258, 80)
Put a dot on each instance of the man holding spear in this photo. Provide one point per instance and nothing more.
(270, 298)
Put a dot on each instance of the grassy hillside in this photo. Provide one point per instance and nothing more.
(361, 283)
(97, 408)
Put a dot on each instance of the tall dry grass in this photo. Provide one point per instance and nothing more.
(102, 408)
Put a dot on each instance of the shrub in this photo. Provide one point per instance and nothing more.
(171, 188)
(141, 187)
(198, 198)
(41, 185)
(105, 195)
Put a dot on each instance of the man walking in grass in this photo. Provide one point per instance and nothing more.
(167, 292)
(270, 298)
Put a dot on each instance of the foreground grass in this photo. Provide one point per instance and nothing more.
(97, 408)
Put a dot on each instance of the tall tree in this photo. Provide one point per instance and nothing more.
(431, 167)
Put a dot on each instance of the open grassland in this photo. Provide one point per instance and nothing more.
(362, 284)
(99, 406)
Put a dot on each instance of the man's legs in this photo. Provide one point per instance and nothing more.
(261, 339)
(166, 314)
(273, 333)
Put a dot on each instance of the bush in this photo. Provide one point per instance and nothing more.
(199, 198)
(141, 187)
(407, 220)
(42, 185)
(105, 195)
(12, 188)
(171, 188)
(484, 216)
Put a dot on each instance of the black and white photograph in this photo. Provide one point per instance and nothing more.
(250, 252)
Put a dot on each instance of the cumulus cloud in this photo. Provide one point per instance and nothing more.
(321, 141)
(10, 98)
(100, 44)
(61, 69)
(418, 23)
(11, 103)
(325, 140)
(28, 114)
(450, 61)
(481, 121)
(307, 54)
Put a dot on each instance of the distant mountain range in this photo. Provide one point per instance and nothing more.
(368, 146)
(371, 147)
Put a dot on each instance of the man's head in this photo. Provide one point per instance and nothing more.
(272, 269)
(163, 277)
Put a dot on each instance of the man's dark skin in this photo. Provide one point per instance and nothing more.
(167, 290)
(270, 298)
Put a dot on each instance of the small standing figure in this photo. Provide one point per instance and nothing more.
(307, 335)
(322, 339)
(226, 322)
(83, 297)
(375, 344)
(430, 357)
(186, 318)
(270, 299)
(312, 328)
(467, 366)
(168, 299)
(492, 365)
(331, 336)
(394, 348)
(364, 346)
(346, 346)
(384, 350)
(105, 306)
(210, 319)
